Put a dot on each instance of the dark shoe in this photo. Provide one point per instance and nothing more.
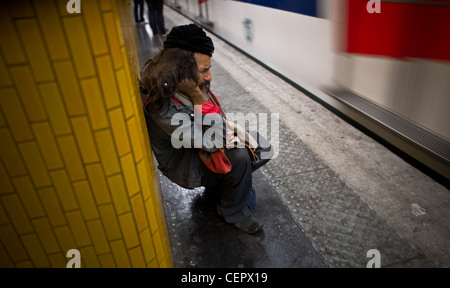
(248, 225)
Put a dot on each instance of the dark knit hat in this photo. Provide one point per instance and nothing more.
(189, 37)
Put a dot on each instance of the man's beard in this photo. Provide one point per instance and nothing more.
(205, 86)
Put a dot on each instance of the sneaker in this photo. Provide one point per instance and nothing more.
(248, 225)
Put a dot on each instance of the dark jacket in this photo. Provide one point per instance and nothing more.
(180, 164)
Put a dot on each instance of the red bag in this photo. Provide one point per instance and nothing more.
(217, 161)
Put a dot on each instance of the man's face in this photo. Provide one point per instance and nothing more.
(203, 64)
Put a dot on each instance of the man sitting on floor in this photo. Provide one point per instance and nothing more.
(190, 136)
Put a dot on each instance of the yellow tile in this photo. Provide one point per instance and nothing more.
(64, 190)
(50, 23)
(98, 236)
(3, 216)
(167, 262)
(105, 5)
(107, 261)
(113, 39)
(71, 158)
(98, 183)
(20, 9)
(5, 261)
(12, 243)
(108, 156)
(5, 79)
(119, 131)
(131, 77)
(159, 246)
(135, 139)
(125, 95)
(10, 154)
(164, 264)
(137, 206)
(52, 206)
(93, 20)
(129, 173)
(55, 108)
(110, 222)
(118, 193)
(35, 250)
(89, 257)
(86, 200)
(6, 186)
(85, 140)
(47, 145)
(35, 164)
(25, 264)
(28, 196)
(153, 264)
(137, 259)
(35, 49)
(145, 179)
(65, 239)
(57, 260)
(147, 245)
(46, 235)
(15, 115)
(94, 103)
(129, 230)
(79, 46)
(61, 8)
(137, 108)
(2, 120)
(10, 42)
(140, 118)
(17, 213)
(78, 227)
(70, 88)
(120, 34)
(108, 81)
(120, 254)
(151, 215)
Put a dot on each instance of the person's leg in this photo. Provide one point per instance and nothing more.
(264, 152)
(233, 190)
(160, 17)
(141, 10)
(152, 16)
(136, 10)
(236, 186)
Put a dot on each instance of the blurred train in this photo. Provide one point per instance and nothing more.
(384, 66)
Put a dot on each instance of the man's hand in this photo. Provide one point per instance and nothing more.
(189, 88)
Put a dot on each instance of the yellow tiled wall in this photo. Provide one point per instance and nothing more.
(76, 170)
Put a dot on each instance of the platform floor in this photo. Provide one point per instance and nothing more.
(330, 196)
